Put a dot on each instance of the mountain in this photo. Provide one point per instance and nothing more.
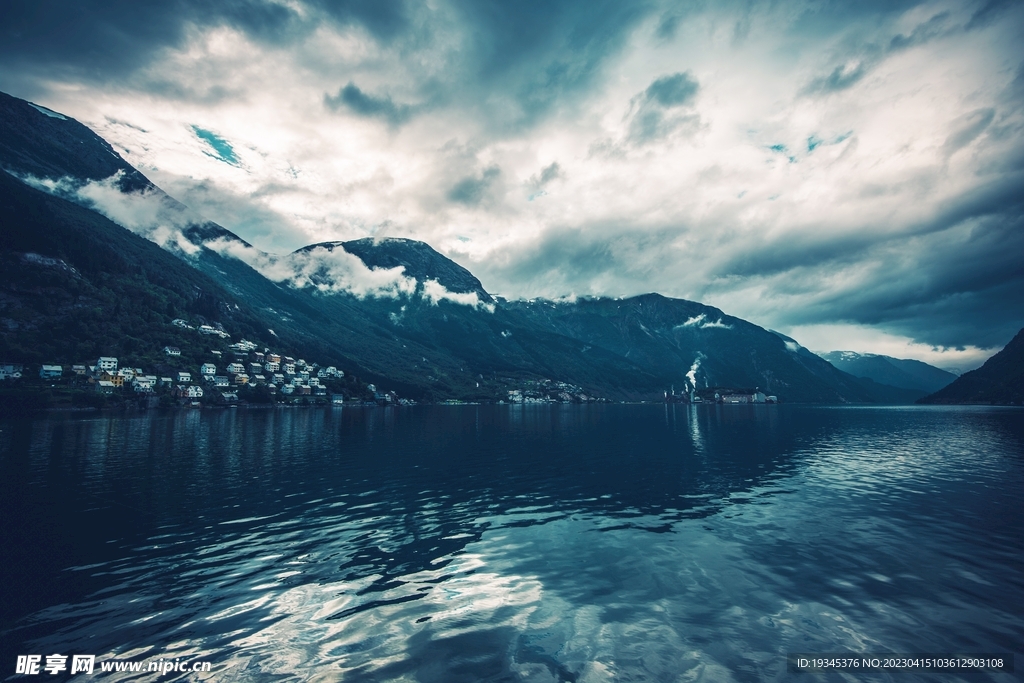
(392, 311)
(1000, 380)
(689, 343)
(896, 372)
(69, 148)
(418, 259)
(75, 286)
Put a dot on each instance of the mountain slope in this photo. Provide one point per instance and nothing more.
(1000, 380)
(391, 310)
(74, 286)
(51, 145)
(896, 372)
(686, 342)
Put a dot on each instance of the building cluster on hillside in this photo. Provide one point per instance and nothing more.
(548, 391)
(210, 330)
(733, 397)
(216, 381)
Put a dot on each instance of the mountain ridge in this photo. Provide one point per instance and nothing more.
(1000, 380)
(897, 372)
(404, 313)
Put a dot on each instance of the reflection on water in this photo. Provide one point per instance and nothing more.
(541, 543)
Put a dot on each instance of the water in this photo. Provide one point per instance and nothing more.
(513, 543)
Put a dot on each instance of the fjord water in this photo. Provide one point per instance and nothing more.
(507, 543)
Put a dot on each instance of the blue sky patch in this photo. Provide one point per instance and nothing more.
(222, 149)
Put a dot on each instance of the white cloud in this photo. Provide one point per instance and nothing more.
(329, 271)
(434, 292)
(150, 214)
(695, 320)
(864, 339)
(782, 206)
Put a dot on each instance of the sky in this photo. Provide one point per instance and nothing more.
(850, 174)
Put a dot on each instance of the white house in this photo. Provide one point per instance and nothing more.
(107, 363)
(51, 371)
(271, 366)
(188, 391)
(207, 369)
(221, 381)
(184, 377)
(235, 368)
(206, 329)
(172, 351)
(10, 370)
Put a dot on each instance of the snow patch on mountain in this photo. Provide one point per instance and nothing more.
(49, 112)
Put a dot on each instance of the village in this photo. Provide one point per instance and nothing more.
(244, 374)
(713, 395)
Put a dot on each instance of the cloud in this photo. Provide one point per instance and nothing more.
(536, 184)
(151, 214)
(359, 102)
(435, 292)
(871, 55)
(472, 190)
(664, 108)
(106, 40)
(328, 271)
(672, 91)
(836, 164)
(968, 128)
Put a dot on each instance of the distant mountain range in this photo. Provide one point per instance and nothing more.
(1000, 380)
(75, 284)
(897, 372)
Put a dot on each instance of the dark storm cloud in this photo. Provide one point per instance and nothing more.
(671, 91)
(537, 53)
(586, 261)
(954, 280)
(472, 189)
(862, 61)
(663, 108)
(957, 292)
(988, 13)
(969, 127)
(385, 19)
(355, 100)
(106, 39)
(761, 258)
